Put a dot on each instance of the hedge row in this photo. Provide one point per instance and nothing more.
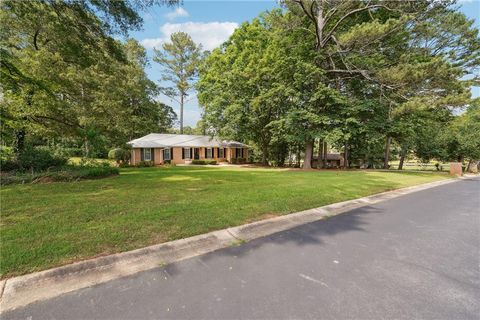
(65, 173)
(204, 162)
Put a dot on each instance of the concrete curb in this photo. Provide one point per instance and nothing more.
(20, 291)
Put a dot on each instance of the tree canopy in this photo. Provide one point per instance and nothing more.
(363, 76)
(179, 60)
(64, 76)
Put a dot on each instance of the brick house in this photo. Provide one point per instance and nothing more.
(182, 148)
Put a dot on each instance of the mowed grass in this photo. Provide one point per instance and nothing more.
(46, 225)
(416, 165)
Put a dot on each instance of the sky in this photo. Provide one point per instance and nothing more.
(211, 23)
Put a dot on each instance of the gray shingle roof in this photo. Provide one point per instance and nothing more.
(160, 140)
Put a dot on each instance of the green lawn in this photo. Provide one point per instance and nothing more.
(46, 225)
(420, 166)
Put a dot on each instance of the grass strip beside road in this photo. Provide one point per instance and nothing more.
(47, 225)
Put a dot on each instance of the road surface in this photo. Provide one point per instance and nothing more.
(415, 256)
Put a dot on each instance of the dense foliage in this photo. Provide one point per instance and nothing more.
(204, 162)
(371, 79)
(65, 173)
(120, 155)
(65, 78)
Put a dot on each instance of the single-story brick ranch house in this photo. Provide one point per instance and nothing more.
(182, 148)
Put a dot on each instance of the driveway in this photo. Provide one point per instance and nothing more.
(415, 256)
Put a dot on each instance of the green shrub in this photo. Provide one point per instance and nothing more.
(6, 153)
(120, 155)
(143, 164)
(125, 165)
(8, 165)
(7, 159)
(40, 158)
(65, 173)
(238, 160)
(204, 162)
(70, 152)
(169, 164)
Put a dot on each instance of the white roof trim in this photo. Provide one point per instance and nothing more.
(159, 140)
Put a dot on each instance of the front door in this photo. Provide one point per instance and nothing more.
(196, 153)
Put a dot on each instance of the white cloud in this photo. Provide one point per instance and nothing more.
(177, 13)
(209, 34)
(151, 43)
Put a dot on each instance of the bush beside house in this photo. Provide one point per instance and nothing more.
(238, 160)
(120, 155)
(44, 164)
(204, 162)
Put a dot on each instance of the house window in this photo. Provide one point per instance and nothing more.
(147, 154)
(221, 153)
(209, 153)
(166, 154)
(186, 153)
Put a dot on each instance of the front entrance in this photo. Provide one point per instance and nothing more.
(196, 153)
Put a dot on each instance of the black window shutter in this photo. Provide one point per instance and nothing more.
(152, 152)
(205, 153)
(242, 153)
(191, 153)
(171, 153)
(183, 153)
(163, 154)
(224, 152)
(142, 155)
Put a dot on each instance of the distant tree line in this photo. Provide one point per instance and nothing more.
(373, 79)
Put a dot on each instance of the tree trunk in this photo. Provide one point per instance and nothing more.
(402, 159)
(307, 163)
(299, 155)
(345, 160)
(265, 155)
(325, 154)
(320, 154)
(181, 112)
(387, 152)
(19, 141)
(467, 168)
(87, 148)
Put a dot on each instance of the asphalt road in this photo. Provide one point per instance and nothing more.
(416, 256)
